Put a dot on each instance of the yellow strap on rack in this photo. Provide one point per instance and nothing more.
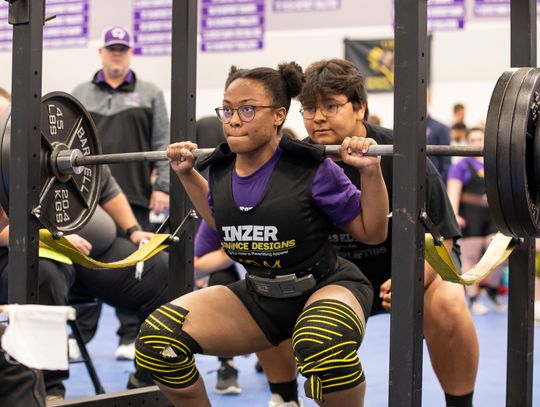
(63, 246)
(46, 253)
(498, 251)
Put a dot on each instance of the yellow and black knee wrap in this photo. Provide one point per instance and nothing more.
(164, 350)
(326, 338)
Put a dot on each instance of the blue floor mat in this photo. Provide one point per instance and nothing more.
(490, 387)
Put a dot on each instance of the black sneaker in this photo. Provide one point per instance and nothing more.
(227, 380)
(493, 295)
(139, 379)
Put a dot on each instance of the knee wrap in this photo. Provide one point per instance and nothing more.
(164, 350)
(326, 338)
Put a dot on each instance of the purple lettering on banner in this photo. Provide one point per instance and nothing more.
(302, 6)
(6, 32)
(494, 8)
(68, 30)
(232, 25)
(491, 8)
(444, 15)
(152, 27)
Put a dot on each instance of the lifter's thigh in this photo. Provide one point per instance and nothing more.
(220, 322)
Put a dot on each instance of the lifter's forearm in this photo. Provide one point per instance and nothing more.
(197, 189)
(375, 206)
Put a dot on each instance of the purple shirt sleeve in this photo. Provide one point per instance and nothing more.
(461, 172)
(206, 240)
(335, 194)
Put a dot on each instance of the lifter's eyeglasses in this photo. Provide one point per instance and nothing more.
(246, 112)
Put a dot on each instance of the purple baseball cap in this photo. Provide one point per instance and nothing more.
(116, 35)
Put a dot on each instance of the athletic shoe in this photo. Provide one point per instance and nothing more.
(494, 296)
(277, 401)
(477, 308)
(227, 380)
(53, 397)
(73, 350)
(125, 352)
(55, 392)
(139, 379)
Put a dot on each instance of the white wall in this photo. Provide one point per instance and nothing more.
(465, 66)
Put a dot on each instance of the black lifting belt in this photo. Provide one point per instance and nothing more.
(293, 281)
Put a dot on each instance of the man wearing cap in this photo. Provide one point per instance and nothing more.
(130, 115)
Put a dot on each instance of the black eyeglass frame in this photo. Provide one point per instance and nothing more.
(338, 106)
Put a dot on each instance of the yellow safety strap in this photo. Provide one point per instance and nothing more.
(63, 246)
(498, 251)
(46, 253)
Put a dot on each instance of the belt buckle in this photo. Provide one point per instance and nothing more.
(285, 286)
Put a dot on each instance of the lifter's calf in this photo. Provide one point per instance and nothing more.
(353, 397)
(192, 396)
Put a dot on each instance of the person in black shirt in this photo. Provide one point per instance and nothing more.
(331, 86)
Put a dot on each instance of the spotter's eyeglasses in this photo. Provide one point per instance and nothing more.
(328, 109)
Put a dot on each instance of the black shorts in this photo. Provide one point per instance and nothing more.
(479, 221)
(277, 316)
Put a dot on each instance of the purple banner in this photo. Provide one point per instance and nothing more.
(232, 25)
(494, 8)
(152, 27)
(491, 8)
(293, 6)
(69, 28)
(445, 15)
(6, 32)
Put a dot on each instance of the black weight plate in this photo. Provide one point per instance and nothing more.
(495, 199)
(66, 206)
(504, 148)
(5, 131)
(525, 222)
(5, 146)
(537, 162)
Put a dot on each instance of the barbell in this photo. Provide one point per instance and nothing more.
(70, 157)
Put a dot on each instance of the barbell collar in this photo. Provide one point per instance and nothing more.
(374, 150)
(66, 161)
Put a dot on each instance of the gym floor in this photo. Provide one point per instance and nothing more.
(490, 387)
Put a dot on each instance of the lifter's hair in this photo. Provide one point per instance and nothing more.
(282, 84)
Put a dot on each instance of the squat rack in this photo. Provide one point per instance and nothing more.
(406, 333)
(27, 17)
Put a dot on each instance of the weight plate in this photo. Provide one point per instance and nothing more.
(5, 146)
(522, 173)
(67, 202)
(504, 148)
(491, 154)
(5, 131)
